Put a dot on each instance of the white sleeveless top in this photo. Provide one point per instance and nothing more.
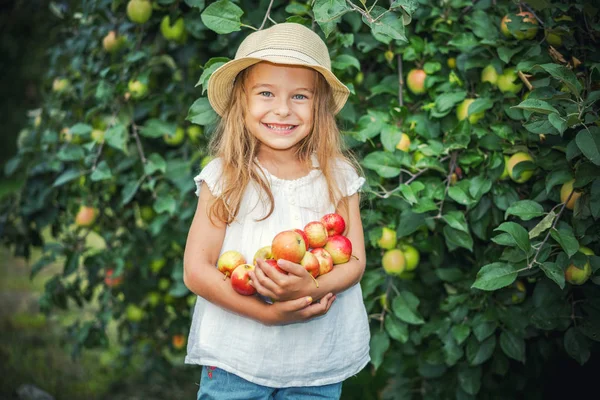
(321, 351)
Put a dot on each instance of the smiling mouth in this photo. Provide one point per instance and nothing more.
(280, 128)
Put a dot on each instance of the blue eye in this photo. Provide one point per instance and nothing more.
(299, 97)
(266, 94)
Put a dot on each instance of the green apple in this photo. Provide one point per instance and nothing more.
(139, 11)
(412, 257)
(506, 81)
(134, 313)
(147, 213)
(489, 74)
(576, 276)
(175, 32)
(176, 138)
(415, 81)
(393, 262)
(463, 109)
(529, 19)
(516, 159)
(388, 239)
(194, 132)
(157, 264)
(112, 42)
(137, 88)
(154, 298)
(451, 62)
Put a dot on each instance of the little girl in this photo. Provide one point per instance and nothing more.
(278, 165)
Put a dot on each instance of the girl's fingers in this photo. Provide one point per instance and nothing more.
(259, 286)
(291, 268)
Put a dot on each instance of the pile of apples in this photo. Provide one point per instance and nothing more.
(317, 247)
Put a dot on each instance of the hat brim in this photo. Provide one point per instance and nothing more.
(220, 83)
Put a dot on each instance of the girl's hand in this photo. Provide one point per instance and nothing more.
(278, 286)
(286, 312)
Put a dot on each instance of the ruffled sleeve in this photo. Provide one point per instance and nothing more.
(348, 179)
(211, 174)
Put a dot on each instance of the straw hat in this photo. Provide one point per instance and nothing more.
(286, 43)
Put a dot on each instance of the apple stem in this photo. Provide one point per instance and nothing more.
(226, 275)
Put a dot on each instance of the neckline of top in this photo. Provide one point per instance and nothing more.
(315, 170)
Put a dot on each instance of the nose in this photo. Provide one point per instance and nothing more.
(282, 107)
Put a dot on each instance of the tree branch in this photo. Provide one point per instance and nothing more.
(266, 15)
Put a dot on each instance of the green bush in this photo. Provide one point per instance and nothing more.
(493, 299)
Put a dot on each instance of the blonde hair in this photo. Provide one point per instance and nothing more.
(238, 148)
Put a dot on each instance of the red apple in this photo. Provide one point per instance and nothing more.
(288, 245)
(110, 281)
(86, 216)
(316, 232)
(240, 280)
(334, 223)
(301, 233)
(230, 260)
(273, 263)
(264, 253)
(311, 263)
(340, 248)
(325, 260)
(178, 341)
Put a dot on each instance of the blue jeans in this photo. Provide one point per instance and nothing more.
(217, 384)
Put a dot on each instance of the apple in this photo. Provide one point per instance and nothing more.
(451, 62)
(505, 175)
(519, 294)
(389, 56)
(137, 88)
(553, 38)
(98, 135)
(229, 261)
(415, 81)
(175, 32)
(304, 237)
(112, 42)
(264, 253)
(164, 284)
(393, 262)
(388, 238)
(514, 160)
(86, 216)
(462, 112)
(576, 276)
(111, 281)
(194, 132)
(529, 19)
(288, 245)
(504, 27)
(489, 74)
(147, 213)
(312, 264)
(335, 224)
(316, 232)
(240, 280)
(178, 341)
(139, 11)
(506, 81)
(411, 256)
(273, 263)
(154, 298)
(60, 85)
(383, 300)
(157, 264)
(325, 260)
(565, 191)
(404, 142)
(176, 138)
(340, 248)
(134, 313)
(359, 78)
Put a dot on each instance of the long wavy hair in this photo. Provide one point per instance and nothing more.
(238, 148)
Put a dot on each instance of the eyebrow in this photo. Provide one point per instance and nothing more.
(266, 85)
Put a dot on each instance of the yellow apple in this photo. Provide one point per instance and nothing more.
(393, 262)
(463, 109)
(137, 88)
(404, 142)
(576, 276)
(565, 191)
(489, 74)
(112, 42)
(388, 239)
(506, 81)
(514, 160)
(451, 62)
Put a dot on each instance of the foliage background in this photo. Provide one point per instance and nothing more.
(453, 330)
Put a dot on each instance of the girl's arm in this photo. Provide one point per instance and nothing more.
(269, 282)
(201, 276)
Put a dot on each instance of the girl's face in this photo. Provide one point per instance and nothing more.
(280, 105)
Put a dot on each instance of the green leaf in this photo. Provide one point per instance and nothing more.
(506, 53)
(566, 239)
(409, 223)
(478, 353)
(156, 128)
(343, 61)
(455, 238)
(80, 129)
(67, 176)
(408, 194)
(518, 233)
(558, 122)
(459, 137)
(101, 172)
(464, 41)
(513, 346)
(155, 162)
(405, 307)
(595, 199)
(469, 379)
(577, 346)
(201, 112)
(195, 3)
(129, 190)
(165, 203)
(379, 344)
(543, 225)
(554, 272)
(386, 26)
(211, 66)
(457, 194)
(525, 209)
(564, 75)
(588, 141)
(116, 136)
(390, 136)
(447, 101)
(461, 332)
(385, 164)
(535, 105)
(329, 10)
(222, 17)
(494, 276)
(456, 220)
(397, 329)
(70, 152)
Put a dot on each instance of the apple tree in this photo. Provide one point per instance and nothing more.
(475, 123)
